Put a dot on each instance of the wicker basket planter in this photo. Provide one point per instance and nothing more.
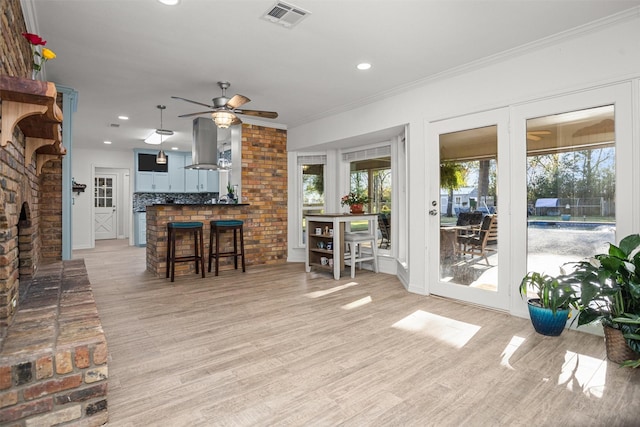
(617, 349)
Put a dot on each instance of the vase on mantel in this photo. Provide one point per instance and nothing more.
(356, 208)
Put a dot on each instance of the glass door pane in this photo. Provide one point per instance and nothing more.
(571, 204)
(468, 209)
(312, 193)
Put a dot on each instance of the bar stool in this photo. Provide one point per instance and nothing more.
(174, 228)
(217, 228)
(355, 253)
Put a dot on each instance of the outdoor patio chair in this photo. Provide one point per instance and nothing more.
(476, 243)
(385, 230)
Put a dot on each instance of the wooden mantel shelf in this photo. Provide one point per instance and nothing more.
(31, 105)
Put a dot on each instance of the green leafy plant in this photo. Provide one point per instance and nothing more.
(610, 290)
(553, 292)
(230, 191)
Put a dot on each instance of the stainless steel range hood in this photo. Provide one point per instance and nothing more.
(204, 148)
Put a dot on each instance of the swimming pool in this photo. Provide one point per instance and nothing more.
(572, 225)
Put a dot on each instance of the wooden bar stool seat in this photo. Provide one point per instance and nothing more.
(219, 227)
(197, 257)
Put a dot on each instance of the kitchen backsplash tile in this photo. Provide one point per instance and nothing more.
(142, 200)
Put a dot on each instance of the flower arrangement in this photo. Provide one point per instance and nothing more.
(39, 53)
(354, 199)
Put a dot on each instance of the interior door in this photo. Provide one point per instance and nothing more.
(467, 252)
(105, 213)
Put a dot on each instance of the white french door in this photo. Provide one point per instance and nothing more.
(501, 155)
(470, 170)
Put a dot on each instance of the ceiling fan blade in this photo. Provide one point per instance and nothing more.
(256, 113)
(195, 114)
(236, 121)
(193, 102)
(539, 132)
(237, 101)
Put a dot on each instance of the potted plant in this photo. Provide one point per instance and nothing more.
(555, 297)
(610, 293)
(355, 201)
(231, 196)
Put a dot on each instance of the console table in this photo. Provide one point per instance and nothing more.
(332, 228)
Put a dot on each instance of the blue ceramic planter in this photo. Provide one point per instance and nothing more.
(545, 322)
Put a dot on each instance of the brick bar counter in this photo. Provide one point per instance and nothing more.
(264, 239)
(53, 357)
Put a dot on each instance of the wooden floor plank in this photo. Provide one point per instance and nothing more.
(278, 346)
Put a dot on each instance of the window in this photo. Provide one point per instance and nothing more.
(370, 174)
(311, 169)
(103, 193)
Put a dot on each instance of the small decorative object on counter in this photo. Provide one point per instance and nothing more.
(355, 201)
(231, 194)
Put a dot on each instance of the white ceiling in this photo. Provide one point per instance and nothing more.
(126, 57)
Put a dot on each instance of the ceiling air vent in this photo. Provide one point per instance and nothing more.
(285, 14)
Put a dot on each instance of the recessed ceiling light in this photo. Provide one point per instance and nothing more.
(169, 2)
(174, 148)
(123, 117)
(107, 142)
(364, 66)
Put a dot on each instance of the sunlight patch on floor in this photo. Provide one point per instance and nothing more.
(585, 373)
(444, 329)
(318, 294)
(510, 350)
(357, 303)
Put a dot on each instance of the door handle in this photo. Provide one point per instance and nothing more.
(433, 212)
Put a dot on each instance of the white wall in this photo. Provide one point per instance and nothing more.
(83, 164)
(603, 54)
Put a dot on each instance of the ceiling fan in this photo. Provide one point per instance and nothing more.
(224, 110)
(536, 135)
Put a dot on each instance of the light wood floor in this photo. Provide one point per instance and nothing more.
(277, 346)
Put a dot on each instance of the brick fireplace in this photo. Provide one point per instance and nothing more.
(53, 353)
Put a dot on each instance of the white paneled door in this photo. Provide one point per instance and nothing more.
(104, 202)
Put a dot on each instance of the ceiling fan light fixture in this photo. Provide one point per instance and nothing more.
(223, 118)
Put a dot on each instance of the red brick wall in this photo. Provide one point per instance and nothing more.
(264, 182)
(15, 51)
(19, 185)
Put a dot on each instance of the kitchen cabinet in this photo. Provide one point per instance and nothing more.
(150, 176)
(201, 181)
(176, 162)
(140, 224)
(152, 182)
(172, 177)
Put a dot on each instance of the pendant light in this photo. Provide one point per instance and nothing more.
(161, 158)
